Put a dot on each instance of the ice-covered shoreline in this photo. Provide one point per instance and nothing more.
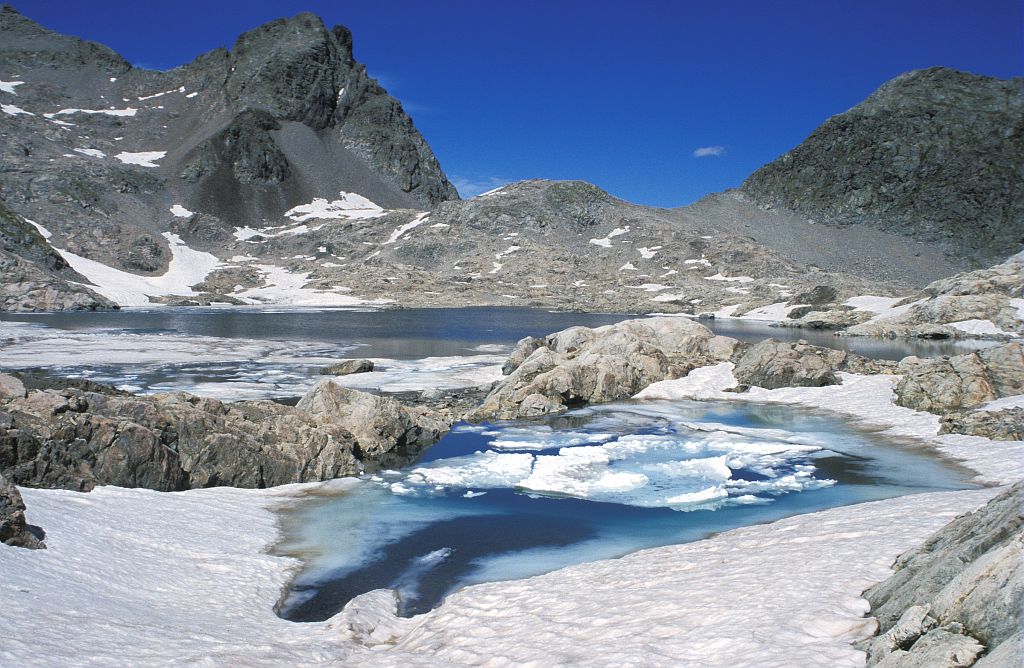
(181, 590)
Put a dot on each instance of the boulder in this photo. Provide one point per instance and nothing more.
(13, 528)
(939, 385)
(1004, 425)
(386, 431)
(958, 593)
(346, 367)
(11, 387)
(581, 365)
(772, 364)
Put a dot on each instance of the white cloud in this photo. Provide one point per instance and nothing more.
(471, 187)
(708, 151)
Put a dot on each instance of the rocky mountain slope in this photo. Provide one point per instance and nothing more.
(279, 172)
(106, 155)
(936, 155)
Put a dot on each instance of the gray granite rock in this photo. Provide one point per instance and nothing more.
(957, 595)
(346, 367)
(773, 364)
(963, 381)
(581, 365)
(1004, 425)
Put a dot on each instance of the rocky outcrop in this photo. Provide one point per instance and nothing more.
(346, 367)
(957, 596)
(34, 276)
(13, 528)
(580, 365)
(987, 303)
(1004, 425)
(77, 439)
(943, 384)
(386, 432)
(772, 364)
(933, 154)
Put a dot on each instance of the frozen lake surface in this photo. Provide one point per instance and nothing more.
(512, 500)
(238, 353)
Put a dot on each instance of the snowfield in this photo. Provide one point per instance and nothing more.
(155, 578)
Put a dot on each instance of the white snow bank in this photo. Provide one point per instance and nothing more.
(282, 286)
(181, 212)
(1015, 401)
(606, 241)
(129, 111)
(166, 92)
(870, 400)
(9, 86)
(142, 158)
(12, 110)
(980, 327)
(782, 594)
(730, 279)
(402, 229)
(91, 152)
(149, 578)
(186, 268)
(348, 205)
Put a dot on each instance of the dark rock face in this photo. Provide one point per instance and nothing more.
(75, 439)
(772, 364)
(934, 154)
(287, 116)
(958, 595)
(963, 381)
(13, 529)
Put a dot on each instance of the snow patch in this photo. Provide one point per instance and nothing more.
(142, 158)
(9, 86)
(12, 110)
(347, 206)
(730, 279)
(181, 212)
(129, 111)
(91, 152)
(402, 229)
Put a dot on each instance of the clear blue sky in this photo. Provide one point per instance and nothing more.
(620, 94)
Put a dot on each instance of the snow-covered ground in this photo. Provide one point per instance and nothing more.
(151, 578)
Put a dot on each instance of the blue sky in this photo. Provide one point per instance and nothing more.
(622, 94)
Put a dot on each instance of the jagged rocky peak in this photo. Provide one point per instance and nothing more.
(296, 69)
(934, 154)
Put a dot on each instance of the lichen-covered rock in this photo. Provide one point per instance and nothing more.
(772, 364)
(939, 385)
(956, 595)
(13, 528)
(581, 365)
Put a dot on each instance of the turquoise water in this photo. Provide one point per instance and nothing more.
(511, 500)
